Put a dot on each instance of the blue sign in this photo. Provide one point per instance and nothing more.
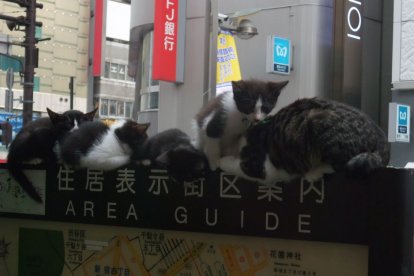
(281, 55)
(402, 115)
(403, 123)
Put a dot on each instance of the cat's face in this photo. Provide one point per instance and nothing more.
(71, 119)
(184, 163)
(256, 98)
(132, 133)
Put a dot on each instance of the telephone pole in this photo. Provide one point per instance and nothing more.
(29, 63)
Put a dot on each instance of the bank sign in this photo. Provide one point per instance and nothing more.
(278, 58)
(169, 40)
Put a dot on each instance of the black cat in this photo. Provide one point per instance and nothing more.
(309, 138)
(37, 140)
(172, 149)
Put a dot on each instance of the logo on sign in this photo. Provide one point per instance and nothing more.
(281, 55)
(281, 51)
(402, 115)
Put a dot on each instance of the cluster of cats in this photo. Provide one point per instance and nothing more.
(236, 131)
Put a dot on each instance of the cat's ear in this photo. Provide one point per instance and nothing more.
(90, 115)
(54, 117)
(237, 86)
(142, 128)
(276, 87)
(163, 160)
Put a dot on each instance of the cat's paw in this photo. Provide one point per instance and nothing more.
(213, 164)
(229, 164)
(146, 162)
(317, 173)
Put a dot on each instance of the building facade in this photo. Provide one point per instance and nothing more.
(63, 53)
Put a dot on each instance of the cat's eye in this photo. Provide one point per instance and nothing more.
(266, 109)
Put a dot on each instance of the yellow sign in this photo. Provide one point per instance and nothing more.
(228, 68)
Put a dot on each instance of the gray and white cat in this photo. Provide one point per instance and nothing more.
(37, 140)
(310, 138)
(96, 145)
(225, 118)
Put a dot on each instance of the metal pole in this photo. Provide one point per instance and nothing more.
(29, 62)
(71, 91)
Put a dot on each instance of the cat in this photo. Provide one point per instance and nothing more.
(37, 140)
(95, 145)
(310, 138)
(172, 149)
(225, 118)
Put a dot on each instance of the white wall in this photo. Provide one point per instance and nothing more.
(403, 50)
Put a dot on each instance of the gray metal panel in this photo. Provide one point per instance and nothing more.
(373, 9)
(310, 29)
(371, 69)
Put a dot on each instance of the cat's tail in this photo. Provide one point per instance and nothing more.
(365, 162)
(16, 171)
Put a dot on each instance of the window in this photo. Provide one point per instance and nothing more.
(104, 107)
(115, 108)
(116, 71)
(107, 66)
(149, 87)
(128, 109)
(112, 108)
(121, 72)
(113, 73)
(120, 108)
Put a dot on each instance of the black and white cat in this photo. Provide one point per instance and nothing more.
(95, 145)
(37, 140)
(310, 138)
(172, 149)
(225, 118)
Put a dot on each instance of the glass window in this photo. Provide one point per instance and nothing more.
(113, 71)
(104, 107)
(128, 109)
(153, 100)
(112, 108)
(107, 66)
(120, 108)
(149, 87)
(121, 73)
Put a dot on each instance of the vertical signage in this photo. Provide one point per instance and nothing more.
(97, 38)
(278, 55)
(228, 68)
(399, 123)
(354, 19)
(169, 40)
(348, 51)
